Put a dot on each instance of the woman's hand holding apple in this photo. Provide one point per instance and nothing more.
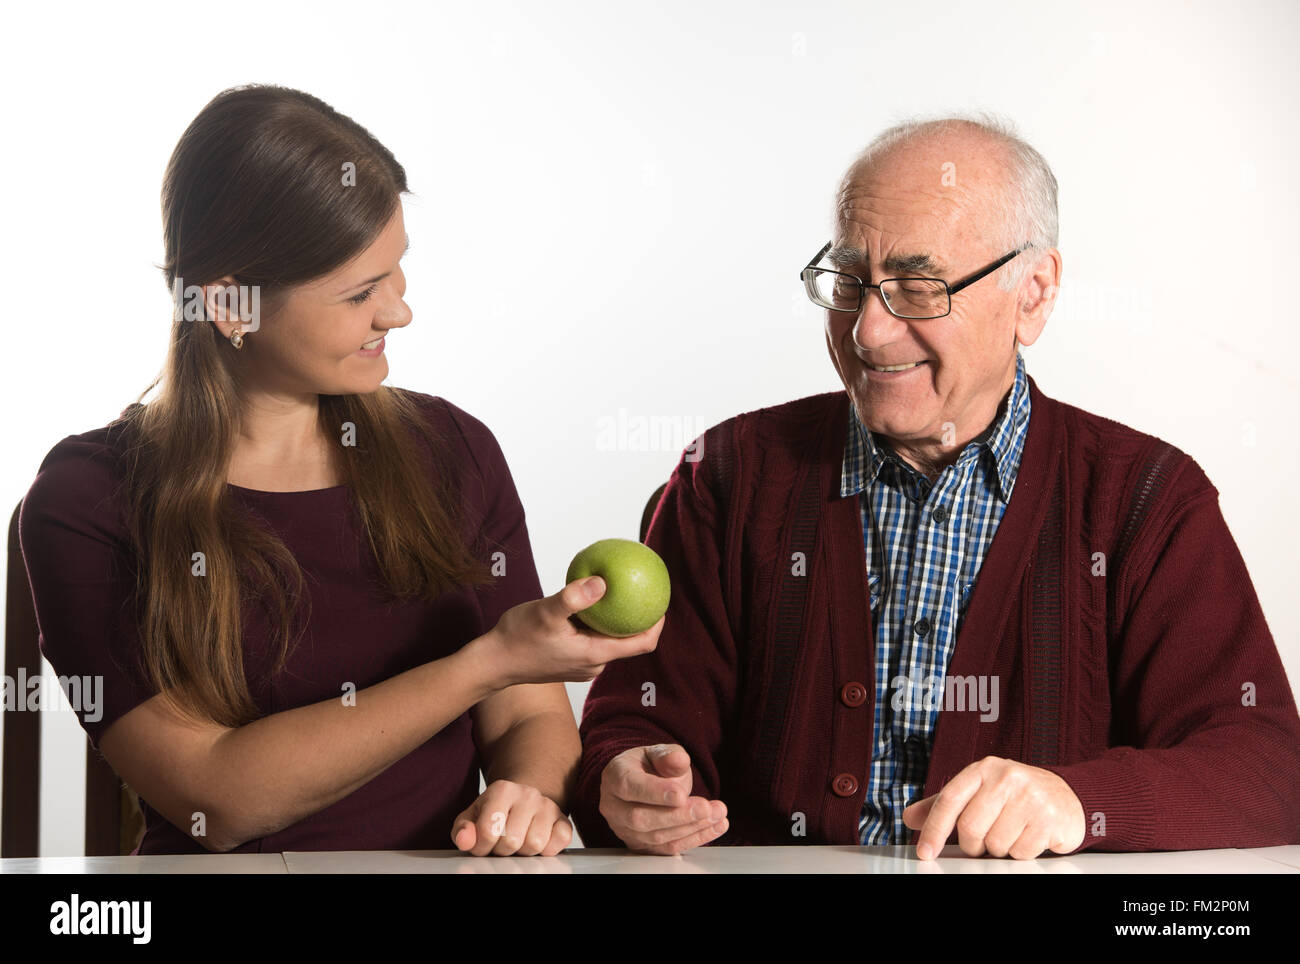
(537, 642)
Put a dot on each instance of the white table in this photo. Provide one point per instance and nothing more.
(702, 860)
(158, 864)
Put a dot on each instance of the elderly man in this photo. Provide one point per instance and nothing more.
(941, 601)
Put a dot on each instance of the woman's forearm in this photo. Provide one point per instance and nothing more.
(542, 751)
(277, 770)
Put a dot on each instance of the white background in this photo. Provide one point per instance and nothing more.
(654, 180)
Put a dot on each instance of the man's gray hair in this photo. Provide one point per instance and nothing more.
(1027, 208)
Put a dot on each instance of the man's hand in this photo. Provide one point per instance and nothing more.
(512, 818)
(1002, 807)
(645, 797)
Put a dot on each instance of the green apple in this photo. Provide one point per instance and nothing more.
(636, 586)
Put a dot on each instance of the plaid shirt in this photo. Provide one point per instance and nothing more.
(924, 545)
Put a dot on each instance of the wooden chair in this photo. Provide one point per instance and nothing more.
(114, 824)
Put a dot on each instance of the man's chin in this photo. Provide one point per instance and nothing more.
(896, 420)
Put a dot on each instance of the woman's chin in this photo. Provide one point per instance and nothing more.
(363, 382)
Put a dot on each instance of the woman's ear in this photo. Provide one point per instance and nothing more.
(231, 306)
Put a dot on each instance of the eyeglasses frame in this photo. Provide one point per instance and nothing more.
(863, 286)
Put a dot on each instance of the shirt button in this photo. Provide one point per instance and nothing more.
(940, 514)
(921, 626)
(853, 694)
(845, 785)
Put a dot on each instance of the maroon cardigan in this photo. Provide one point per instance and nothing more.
(1129, 685)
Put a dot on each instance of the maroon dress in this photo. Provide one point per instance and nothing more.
(82, 574)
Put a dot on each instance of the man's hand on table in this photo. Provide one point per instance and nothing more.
(645, 797)
(512, 818)
(1001, 807)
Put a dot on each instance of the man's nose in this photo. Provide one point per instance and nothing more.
(875, 324)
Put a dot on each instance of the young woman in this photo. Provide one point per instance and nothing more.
(310, 597)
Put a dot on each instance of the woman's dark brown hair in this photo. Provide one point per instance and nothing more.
(255, 189)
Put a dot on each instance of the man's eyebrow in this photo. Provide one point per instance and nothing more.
(378, 277)
(843, 256)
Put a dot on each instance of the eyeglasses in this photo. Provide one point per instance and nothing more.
(904, 297)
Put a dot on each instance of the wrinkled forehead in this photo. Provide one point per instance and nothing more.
(908, 220)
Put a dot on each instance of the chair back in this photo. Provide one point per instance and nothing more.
(114, 824)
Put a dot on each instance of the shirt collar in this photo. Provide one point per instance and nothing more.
(1003, 439)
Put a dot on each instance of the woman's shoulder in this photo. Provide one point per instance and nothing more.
(443, 414)
(452, 423)
(87, 463)
(78, 481)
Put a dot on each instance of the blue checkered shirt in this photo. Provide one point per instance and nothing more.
(925, 543)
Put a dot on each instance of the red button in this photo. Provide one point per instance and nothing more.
(845, 785)
(853, 694)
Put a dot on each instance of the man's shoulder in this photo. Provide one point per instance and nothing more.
(792, 422)
(764, 447)
(1112, 453)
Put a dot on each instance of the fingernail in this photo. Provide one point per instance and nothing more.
(591, 586)
(924, 851)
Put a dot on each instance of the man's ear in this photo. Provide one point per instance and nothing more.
(1038, 293)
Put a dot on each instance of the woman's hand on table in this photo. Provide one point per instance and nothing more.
(512, 819)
